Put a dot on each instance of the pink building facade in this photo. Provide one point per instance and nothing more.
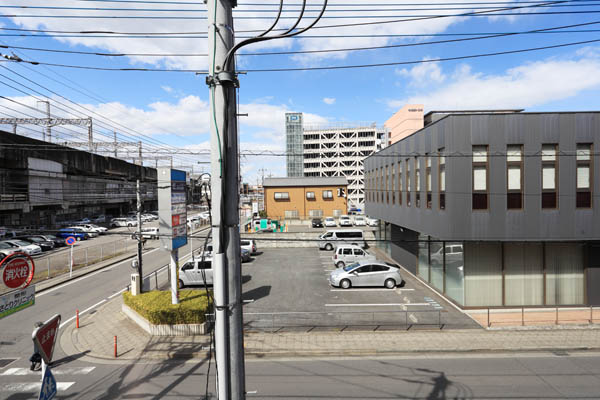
(404, 122)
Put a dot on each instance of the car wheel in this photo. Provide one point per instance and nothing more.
(390, 283)
(180, 284)
(328, 247)
(345, 284)
(129, 225)
(340, 264)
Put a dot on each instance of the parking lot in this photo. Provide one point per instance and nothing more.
(287, 288)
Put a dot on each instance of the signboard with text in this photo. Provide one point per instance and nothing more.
(172, 211)
(45, 336)
(16, 300)
(17, 270)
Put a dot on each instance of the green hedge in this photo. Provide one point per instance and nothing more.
(156, 306)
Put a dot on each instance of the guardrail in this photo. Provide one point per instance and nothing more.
(310, 320)
(527, 316)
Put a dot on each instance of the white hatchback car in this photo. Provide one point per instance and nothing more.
(360, 220)
(329, 221)
(347, 254)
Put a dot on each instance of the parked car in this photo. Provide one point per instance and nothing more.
(147, 233)
(366, 273)
(43, 243)
(117, 222)
(245, 255)
(335, 237)
(94, 228)
(330, 221)
(77, 233)
(360, 220)
(82, 221)
(91, 232)
(25, 247)
(345, 220)
(98, 219)
(196, 272)
(317, 223)
(347, 254)
(372, 221)
(150, 217)
(6, 250)
(249, 245)
(58, 242)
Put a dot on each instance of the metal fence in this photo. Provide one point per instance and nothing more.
(342, 320)
(541, 316)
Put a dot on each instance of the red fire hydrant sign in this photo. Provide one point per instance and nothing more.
(17, 270)
(44, 338)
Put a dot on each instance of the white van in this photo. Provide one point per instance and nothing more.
(196, 272)
(346, 254)
(332, 238)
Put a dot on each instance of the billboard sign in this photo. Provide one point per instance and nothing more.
(17, 270)
(172, 211)
(16, 300)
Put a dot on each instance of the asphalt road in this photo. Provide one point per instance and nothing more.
(525, 376)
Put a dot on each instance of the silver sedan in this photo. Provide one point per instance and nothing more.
(366, 273)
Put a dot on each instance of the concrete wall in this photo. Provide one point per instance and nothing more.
(457, 134)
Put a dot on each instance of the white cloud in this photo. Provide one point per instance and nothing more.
(329, 100)
(423, 74)
(167, 89)
(527, 85)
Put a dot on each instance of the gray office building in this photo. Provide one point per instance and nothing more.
(494, 209)
(293, 144)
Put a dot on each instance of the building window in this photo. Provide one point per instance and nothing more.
(282, 196)
(377, 184)
(584, 178)
(428, 180)
(400, 182)
(291, 214)
(549, 184)
(393, 183)
(310, 195)
(514, 177)
(417, 183)
(408, 182)
(480, 178)
(386, 178)
(327, 194)
(442, 178)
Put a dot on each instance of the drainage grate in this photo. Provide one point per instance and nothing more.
(5, 361)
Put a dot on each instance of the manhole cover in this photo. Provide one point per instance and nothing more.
(5, 361)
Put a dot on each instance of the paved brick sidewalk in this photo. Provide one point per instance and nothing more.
(95, 338)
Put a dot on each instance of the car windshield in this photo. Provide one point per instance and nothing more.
(5, 245)
(51, 237)
(21, 243)
(350, 267)
(35, 239)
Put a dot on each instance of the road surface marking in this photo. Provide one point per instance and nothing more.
(82, 312)
(117, 293)
(362, 290)
(34, 386)
(376, 304)
(58, 371)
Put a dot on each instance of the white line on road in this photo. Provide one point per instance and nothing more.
(88, 275)
(82, 312)
(376, 305)
(117, 293)
(34, 386)
(363, 290)
(58, 371)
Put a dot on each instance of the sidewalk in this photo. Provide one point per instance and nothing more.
(95, 341)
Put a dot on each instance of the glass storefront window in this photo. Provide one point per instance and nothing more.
(436, 264)
(423, 258)
(523, 274)
(483, 277)
(564, 273)
(455, 277)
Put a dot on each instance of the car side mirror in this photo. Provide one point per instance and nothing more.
(355, 273)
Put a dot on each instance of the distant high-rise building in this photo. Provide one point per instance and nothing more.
(405, 122)
(293, 144)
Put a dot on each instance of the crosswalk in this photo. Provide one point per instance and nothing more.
(23, 380)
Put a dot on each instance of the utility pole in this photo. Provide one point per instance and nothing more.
(139, 234)
(229, 347)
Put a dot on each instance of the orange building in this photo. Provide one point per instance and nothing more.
(304, 198)
(404, 122)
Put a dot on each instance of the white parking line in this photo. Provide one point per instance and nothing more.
(376, 305)
(363, 290)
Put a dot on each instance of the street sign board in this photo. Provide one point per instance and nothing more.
(44, 338)
(16, 300)
(49, 387)
(17, 270)
(172, 211)
(70, 240)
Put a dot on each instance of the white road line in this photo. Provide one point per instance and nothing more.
(58, 371)
(363, 290)
(118, 293)
(82, 312)
(45, 292)
(376, 305)
(400, 290)
(34, 386)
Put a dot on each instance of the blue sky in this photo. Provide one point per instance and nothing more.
(170, 109)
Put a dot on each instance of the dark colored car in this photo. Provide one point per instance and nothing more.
(317, 223)
(43, 243)
(58, 242)
(77, 233)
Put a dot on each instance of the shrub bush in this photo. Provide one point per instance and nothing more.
(156, 306)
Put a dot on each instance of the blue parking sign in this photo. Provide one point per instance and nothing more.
(48, 389)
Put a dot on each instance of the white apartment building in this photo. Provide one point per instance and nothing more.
(340, 151)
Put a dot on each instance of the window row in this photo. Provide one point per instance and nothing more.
(393, 184)
(311, 195)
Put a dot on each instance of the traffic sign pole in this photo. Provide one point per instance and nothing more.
(71, 242)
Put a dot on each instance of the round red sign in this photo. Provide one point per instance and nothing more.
(18, 271)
